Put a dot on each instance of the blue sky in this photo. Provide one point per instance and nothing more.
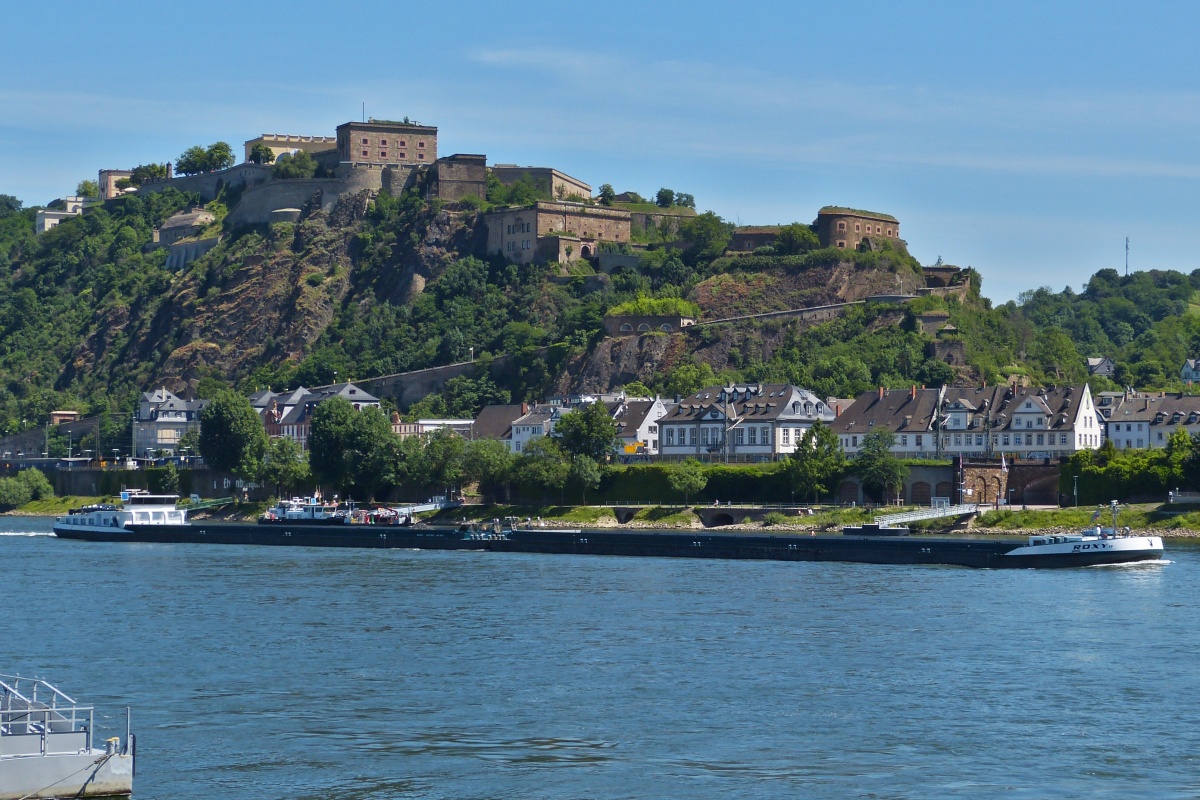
(1024, 139)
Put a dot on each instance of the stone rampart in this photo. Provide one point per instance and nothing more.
(406, 388)
(184, 253)
(209, 184)
(258, 202)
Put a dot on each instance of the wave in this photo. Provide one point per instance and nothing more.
(26, 533)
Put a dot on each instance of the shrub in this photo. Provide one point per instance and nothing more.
(774, 518)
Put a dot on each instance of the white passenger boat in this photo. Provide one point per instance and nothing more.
(47, 748)
(1096, 545)
(306, 511)
(137, 508)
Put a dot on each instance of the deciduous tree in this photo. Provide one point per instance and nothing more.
(261, 154)
(881, 472)
(587, 431)
(687, 477)
(232, 437)
(818, 462)
(285, 465)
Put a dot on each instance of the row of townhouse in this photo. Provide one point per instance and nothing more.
(1025, 422)
(1147, 419)
(754, 422)
(636, 421)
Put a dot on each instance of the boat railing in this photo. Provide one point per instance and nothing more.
(927, 513)
(37, 719)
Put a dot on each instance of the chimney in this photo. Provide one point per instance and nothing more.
(913, 392)
(880, 392)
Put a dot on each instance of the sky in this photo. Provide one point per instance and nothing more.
(1025, 139)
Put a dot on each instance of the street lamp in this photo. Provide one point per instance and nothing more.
(88, 453)
(1077, 491)
(116, 456)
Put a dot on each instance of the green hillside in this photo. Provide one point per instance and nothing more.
(89, 316)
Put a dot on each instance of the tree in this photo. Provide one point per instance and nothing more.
(587, 431)
(354, 451)
(707, 236)
(261, 154)
(297, 166)
(664, 198)
(9, 205)
(285, 465)
(685, 200)
(817, 463)
(197, 159)
(881, 472)
(219, 155)
(232, 437)
(795, 239)
(148, 173)
(688, 379)
(192, 161)
(607, 194)
(687, 477)
(637, 389)
(444, 455)
(585, 474)
(543, 465)
(490, 463)
(86, 188)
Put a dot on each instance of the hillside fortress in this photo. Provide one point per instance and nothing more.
(372, 156)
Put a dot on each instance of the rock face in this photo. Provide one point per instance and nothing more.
(265, 296)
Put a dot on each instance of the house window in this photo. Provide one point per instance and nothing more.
(402, 155)
(670, 436)
(753, 435)
(383, 153)
(366, 141)
(979, 440)
(692, 436)
(517, 446)
(366, 153)
(904, 441)
(1160, 436)
(420, 144)
(739, 437)
(653, 429)
(854, 441)
(1064, 439)
(403, 143)
(383, 142)
(766, 435)
(421, 156)
(704, 436)
(958, 440)
(920, 440)
(857, 227)
(1029, 439)
(1041, 438)
(841, 225)
(1006, 440)
(787, 433)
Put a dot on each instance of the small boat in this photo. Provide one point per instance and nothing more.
(47, 750)
(1095, 545)
(306, 511)
(138, 507)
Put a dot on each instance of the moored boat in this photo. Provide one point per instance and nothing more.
(47, 748)
(137, 508)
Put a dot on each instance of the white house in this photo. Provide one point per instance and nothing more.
(981, 421)
(755, 422)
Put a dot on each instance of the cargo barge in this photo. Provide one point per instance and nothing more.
(1073, 550)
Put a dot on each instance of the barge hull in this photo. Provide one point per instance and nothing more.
(977, 553)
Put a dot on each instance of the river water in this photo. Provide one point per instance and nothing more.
(305, 673)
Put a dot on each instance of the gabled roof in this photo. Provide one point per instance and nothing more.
(495, 422)
(752, 403)
(632, 415)
(1159, 409)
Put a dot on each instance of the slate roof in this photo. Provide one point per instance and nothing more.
(991, 407)
(752, 403)
(632, 417)
(495, 422)
(1170, 410)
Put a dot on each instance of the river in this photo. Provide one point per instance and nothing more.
(305, 673)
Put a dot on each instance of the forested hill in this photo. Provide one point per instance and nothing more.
(90, 317)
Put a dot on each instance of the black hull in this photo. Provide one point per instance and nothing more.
(674, 544)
